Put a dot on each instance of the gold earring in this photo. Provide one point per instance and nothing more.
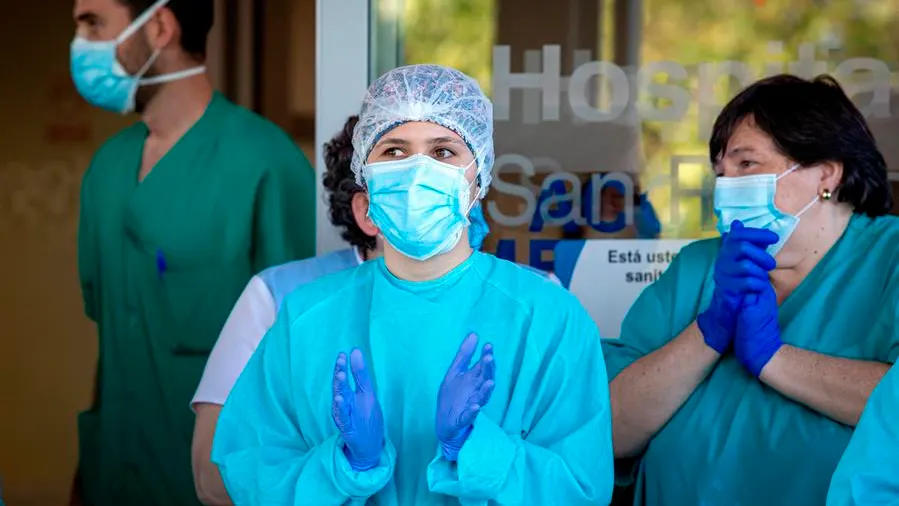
(826, 195)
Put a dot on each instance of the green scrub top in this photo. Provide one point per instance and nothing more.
(162, 262)
(735, 441)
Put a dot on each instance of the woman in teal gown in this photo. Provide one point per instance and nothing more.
(528, 423)
(868, 473)
(740, 374)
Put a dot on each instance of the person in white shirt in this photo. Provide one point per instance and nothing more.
(256, 309)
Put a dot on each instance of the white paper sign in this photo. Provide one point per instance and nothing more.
(609, 275)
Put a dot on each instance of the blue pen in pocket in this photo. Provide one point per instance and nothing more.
(160, 263)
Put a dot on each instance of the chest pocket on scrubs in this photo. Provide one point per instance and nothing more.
(199, 298)
(186, 288)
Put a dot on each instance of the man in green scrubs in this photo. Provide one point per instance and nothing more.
(178, 212)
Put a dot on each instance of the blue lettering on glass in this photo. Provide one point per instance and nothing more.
(537, 247)
(505, 249)
(560, 209)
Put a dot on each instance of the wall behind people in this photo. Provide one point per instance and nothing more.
(46, 365)
(286, 81)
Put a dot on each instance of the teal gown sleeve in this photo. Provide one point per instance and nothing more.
(261, 451)
(661, 312)
(284, 227)
(566, 457)
(868, 472)
(651, 321)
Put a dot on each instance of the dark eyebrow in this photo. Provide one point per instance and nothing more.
(86, 17)
(444, 140)
(393, 141)
(740, 150)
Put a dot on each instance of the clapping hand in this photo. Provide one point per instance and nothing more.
(357, 414)
(462, 394)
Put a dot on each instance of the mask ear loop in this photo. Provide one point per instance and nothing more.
(471, 185)
(788, 171)
(808, 206)
(143, 70)
(140, 21)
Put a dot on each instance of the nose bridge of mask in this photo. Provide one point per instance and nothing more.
(745, 191)
(749, 191)
(411, 162)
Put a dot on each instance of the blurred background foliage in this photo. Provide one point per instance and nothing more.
(462, 33)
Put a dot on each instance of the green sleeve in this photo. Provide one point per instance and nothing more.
(284, 227)
(88, 251)
(260, 448)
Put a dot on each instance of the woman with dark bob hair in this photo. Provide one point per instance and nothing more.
(740, 374)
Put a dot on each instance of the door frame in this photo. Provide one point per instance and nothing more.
(342, 65)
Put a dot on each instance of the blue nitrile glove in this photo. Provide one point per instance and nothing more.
(646, 220)
(757, 337)
(463, 393)
(478, 229)
(741, 267)
(357, 414)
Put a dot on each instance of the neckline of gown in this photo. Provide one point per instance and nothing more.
(794, 302)
(444, 292)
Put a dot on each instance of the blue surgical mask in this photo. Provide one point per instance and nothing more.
(478, 229)
(750, 199)
(101, 79)
(420, 205)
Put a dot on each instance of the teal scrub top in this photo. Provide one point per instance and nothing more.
(868, 473)
(162, 262)
(735, 441)
(544, 437)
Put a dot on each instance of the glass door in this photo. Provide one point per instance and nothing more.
(603, 110)
(342, 54)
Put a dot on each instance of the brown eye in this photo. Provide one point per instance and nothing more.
(443, 153)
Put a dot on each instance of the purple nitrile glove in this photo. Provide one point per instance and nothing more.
(462, 394)
(741, 267)
(357, 414)
(757, 336)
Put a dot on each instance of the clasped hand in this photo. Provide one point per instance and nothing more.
(463, 392)
(743, 309)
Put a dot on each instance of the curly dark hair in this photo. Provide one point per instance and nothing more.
(340, 185)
